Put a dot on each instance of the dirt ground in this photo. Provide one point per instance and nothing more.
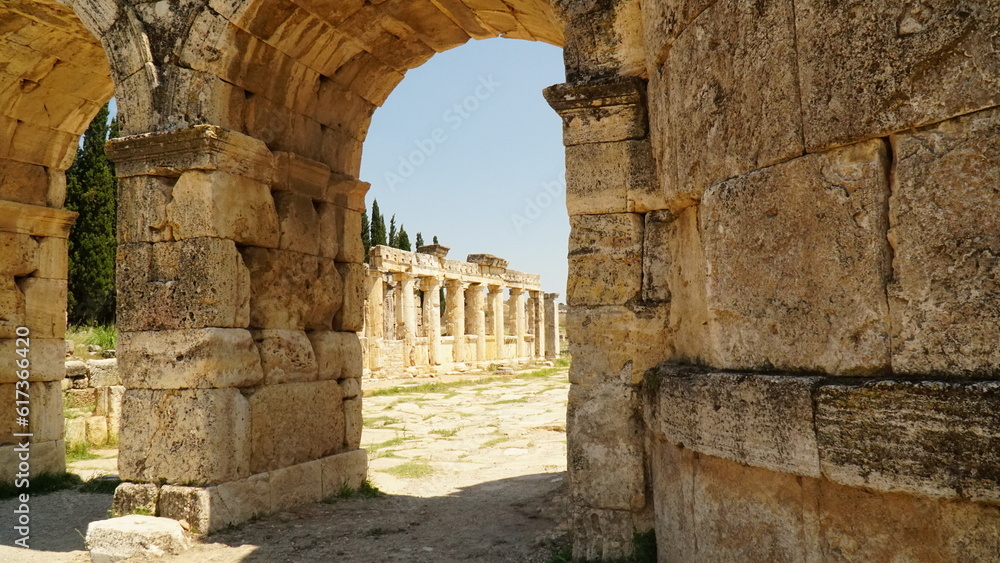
(470, 472)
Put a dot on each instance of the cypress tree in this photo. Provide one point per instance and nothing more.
(420, 240)
(403, 239)
(366, 233)
(393, 242)
(378, 226)
(90, 191)
(436, 240)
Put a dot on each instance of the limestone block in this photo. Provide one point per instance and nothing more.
(201, 147)
(353, 423)
(185, 359)
(926, 438)
(797, 264)
(222, 205)
(45, 355)
(351, 387)
(190, 504)
(327, 296)
(868, 69)
(347, 191)
(616, 343)
(663, 21)
(293, 423)
(23, 183)
(605, 455)
(733, 93)
(618, 177)
(351, 316)
(189, 284)
(298, 222)
(605, 259)
(238, 501)
(671, 472)
(142, 208)
(329, 230)
(604, 534)
(116, 396)
(53, 259)
(304, 176)
(346, 469)
(338, 354)
(296, 485)
(18, 254)
(97, 430)
(101, 397)
(46, 457)
(75, 431)
(45, 307)
(188, 436)
(131, 498)
(104, 373)
(656, 260)
(135, 536)
(601, 111)
(945, 231)
(46, 417)
(351, 248)
(760, 420)
(281, 287)
(12, 314)
(285, 356)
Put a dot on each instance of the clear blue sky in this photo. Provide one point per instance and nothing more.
(486, 176)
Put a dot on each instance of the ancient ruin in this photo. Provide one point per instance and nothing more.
(404, 332)
(783, 299)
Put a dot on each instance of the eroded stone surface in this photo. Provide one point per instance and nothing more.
(872, 68)
(187, 359)
(945, 229)
(605, 259)
(797, 263)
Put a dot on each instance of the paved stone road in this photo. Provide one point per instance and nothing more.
(473, 472)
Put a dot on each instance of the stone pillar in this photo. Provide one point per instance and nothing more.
(517, 303)
(33, 271)
(431, 287)
(239, 303)
(552, 345)
(406, 315)
(538, 318)
(495, 305)
(475, 318)
(455, 313)
(611, 182)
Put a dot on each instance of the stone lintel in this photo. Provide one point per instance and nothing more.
(927, 438)
(392, 260)
(202, 147)
(487, 260)
(616, 91)
(35, 220)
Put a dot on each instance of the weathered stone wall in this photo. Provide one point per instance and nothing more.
(785, 190)
(828, 238)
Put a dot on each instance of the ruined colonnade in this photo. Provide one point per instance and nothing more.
(475, 331)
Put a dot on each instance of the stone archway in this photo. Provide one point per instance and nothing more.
(243, 125)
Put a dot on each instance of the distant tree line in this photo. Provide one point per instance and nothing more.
(374, 233)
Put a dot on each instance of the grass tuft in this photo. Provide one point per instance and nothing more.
(79, 452)
(101, 485)
(366, 490)
(445, 387)
(104, 336)
(411, 470)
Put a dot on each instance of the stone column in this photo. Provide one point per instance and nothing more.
(431, 287)
(406, 315)
(517, 303)
(495, 304)
(455, 313)
(552, 345)
(538, 309)
(475, 318)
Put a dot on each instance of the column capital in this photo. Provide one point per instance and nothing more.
(430, 283)
(402, 276)
(457, 283)
(202, 147)
(495, 288)
(514, 291)
(601, 111)
(552, 296)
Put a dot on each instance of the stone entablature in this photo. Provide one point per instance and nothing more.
(406, 331)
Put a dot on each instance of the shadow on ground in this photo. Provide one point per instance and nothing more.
(520, 519)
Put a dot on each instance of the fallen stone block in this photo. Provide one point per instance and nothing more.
(135, 536)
